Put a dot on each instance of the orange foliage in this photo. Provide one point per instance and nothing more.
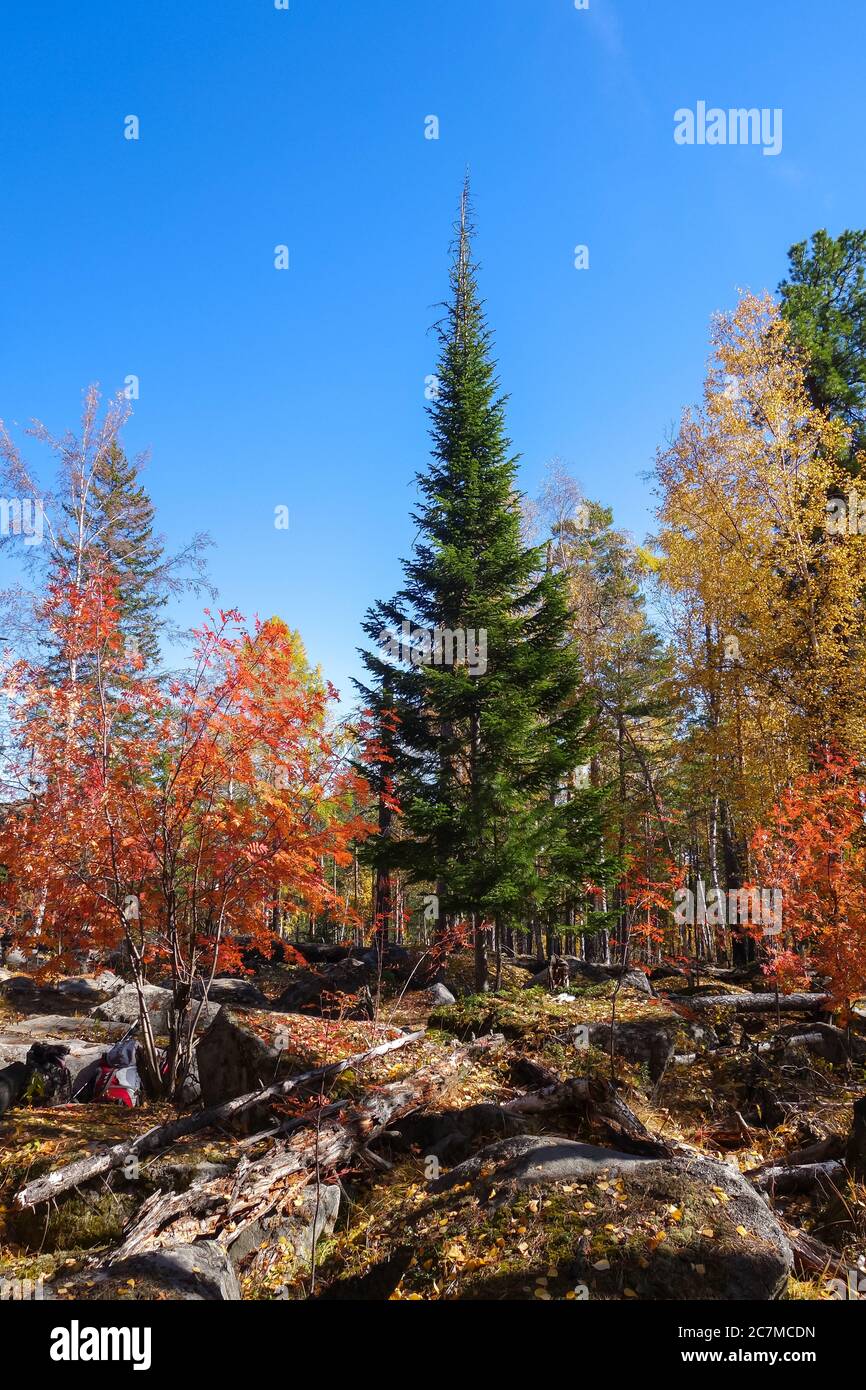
(815, 850)
(203, 803)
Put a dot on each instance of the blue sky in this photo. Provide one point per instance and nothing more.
(306, 127)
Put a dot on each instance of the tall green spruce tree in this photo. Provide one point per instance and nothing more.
(484, 746)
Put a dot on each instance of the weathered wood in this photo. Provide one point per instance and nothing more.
(801, 1177)
(222, 1208)
(812, 1256)
(84, 1169)
(831, 1147)
(822, 1164)
(836, 1045)
(752, 1003)
(562, 1095)
(603, 1101)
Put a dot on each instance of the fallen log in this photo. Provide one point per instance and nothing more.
(825, 1163)
(752, 1003)
(836, 1045)
(803, 1177)
(84, 1169)
(831, 1147)
(561, 1095)
(812, 1256)
(222, 1208)
(603, 1101)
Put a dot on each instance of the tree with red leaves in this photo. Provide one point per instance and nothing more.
(170, 819)
(814, 849)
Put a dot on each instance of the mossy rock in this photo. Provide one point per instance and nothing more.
(594, 1226)
(78, 1221)
(517, 1013)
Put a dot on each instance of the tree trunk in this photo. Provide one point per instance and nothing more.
(83, 1169)
(481, 978)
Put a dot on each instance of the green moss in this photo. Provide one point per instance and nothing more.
(77, 1222)
(515, 1012)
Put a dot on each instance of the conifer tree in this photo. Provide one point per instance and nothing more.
(124, 521)
(489, 725)
(824, 301)
(98, 525)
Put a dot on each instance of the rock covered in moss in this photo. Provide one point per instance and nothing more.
(581, 970)
(691, 1228)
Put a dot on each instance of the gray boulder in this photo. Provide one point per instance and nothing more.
(644, 1042)
(94, 988)
(17, 1038)
(123, 1008)
(15, 1043)
(19, 984)
(725, 1242)
(190, 1090)
(317, 952)
(199, 1272)
(440, 994)
(306, 990)
(529, 1161)
(241, 1050)
(451, 1135)
(54, 1028)
(229, 990)
(81, 1054)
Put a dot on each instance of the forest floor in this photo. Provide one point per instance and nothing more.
(715, 1097)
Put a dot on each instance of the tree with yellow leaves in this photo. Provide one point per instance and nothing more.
(765, 596)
